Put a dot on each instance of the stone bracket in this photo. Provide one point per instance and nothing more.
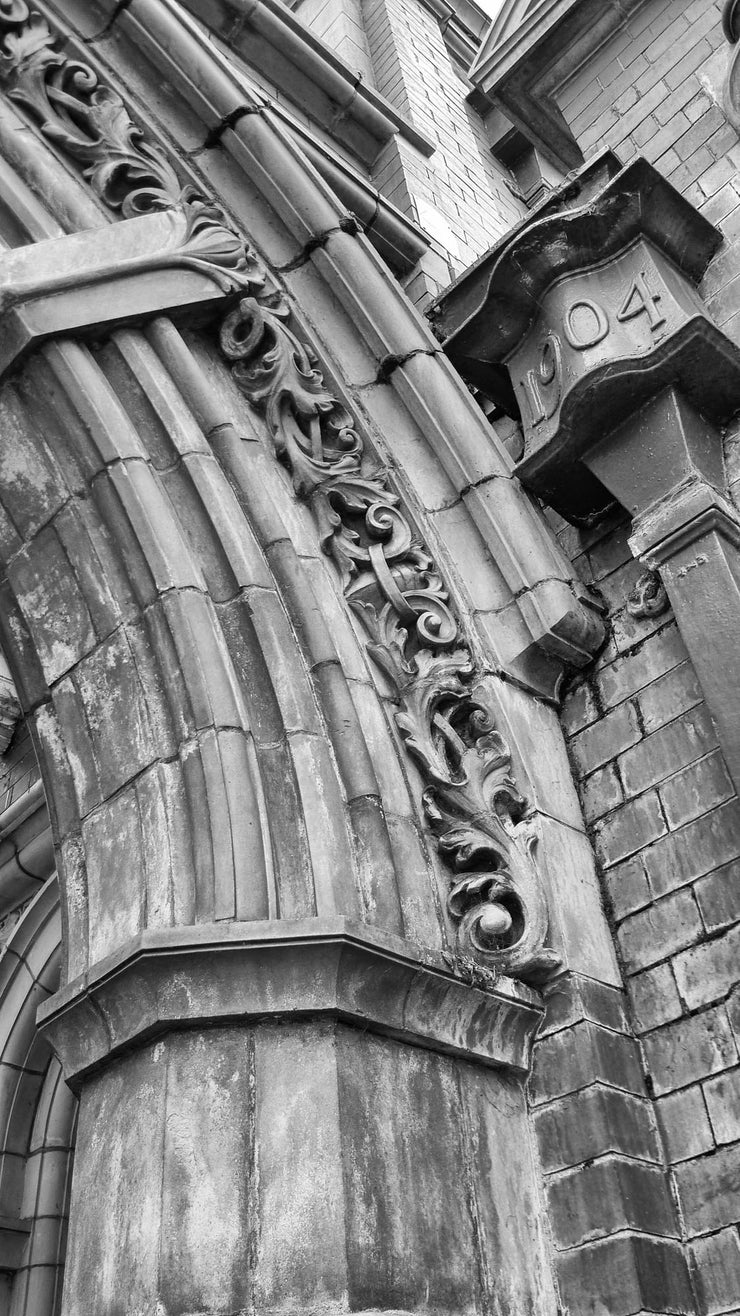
(170, 261)
(187, 977)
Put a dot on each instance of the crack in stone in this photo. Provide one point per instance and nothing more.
(213, 137)
(392, 362)
(349, 223)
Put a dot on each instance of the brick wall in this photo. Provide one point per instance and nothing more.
(340, 24)
(665, 821)
(460, 195)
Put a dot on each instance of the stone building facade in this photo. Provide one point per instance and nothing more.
(370, 747)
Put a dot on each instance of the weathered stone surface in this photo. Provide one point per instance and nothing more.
(654, 996)
(684, 1124)
(663, 928)
(594, 1122)
(272, 1200)
(228, 709)
(607, 1195)
(717, 1262)
(690, 1049)
(627, 1274)
(165, 979)
(707, 1189)
(636, 825)
(585, 1054)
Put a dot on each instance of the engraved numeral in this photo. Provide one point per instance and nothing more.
(641, 301)
(543, 386)
(586, 324)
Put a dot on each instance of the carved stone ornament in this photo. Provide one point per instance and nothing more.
(89, 126)
(586, 313)
(648, 598)
(394, 587)
(390, 579)
(87, 121)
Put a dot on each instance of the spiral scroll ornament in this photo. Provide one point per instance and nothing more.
(393, 585)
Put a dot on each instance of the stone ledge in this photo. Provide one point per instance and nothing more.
(186, 977)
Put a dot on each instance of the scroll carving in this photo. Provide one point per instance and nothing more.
(90, 126)
(648, 598)
(87, 121)
(389, 577)
(394, 587)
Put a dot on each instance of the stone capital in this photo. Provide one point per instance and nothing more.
(331, 968)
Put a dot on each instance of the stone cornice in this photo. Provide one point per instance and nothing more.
(182, 977)
(532, 49)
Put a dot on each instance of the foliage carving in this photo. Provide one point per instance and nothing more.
(90, 126)
(394, 587)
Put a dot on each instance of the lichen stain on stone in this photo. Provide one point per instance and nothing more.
(17, 469)
(61, 629)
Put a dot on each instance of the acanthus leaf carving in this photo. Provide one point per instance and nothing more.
(394, 587)
(90, 126)
(211, 247)
(86, 120)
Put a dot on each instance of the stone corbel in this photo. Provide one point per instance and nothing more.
(586, 323)
(168, 262)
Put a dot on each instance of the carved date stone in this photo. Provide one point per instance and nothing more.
(584, 314)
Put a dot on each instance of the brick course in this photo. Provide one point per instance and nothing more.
(668, 850)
